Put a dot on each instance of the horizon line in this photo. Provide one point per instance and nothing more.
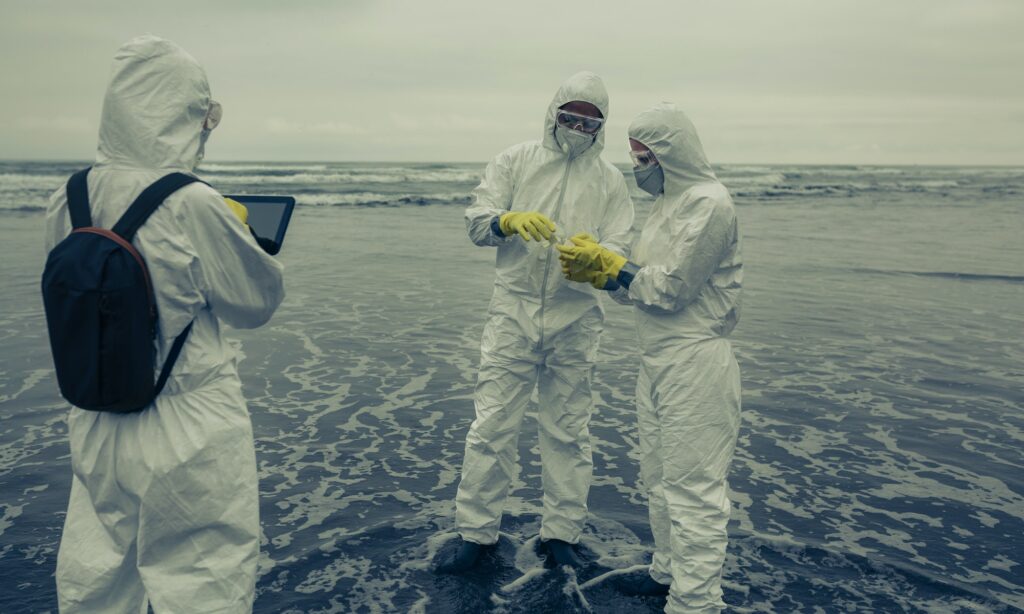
(722, 164)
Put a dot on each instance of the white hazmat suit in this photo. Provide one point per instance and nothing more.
(686, 295)
(164, 502)
(542, 331)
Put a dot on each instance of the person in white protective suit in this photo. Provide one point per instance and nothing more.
(164, 502)
(683, 278)
(542, 331)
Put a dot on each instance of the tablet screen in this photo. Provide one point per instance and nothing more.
(268, 215)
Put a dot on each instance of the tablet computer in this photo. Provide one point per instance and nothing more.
(268, 218)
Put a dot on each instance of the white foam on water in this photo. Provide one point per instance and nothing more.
(746, 181)
(32, 379)
(522, 580)
(613, 573)
(10, 513)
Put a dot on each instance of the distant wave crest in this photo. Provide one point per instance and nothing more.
(373, 199)
(782, 189)
(387, 176)
(22, 208)
(948, 275)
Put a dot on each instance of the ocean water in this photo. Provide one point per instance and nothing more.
(879, 466)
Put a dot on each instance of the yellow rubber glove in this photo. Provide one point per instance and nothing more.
(527, 224)
(575, 266)
(587, 253)
(570, 253)
(239, 210)
(594, 277)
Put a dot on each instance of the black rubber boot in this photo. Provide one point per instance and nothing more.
(647, 586)
(464, 560)
(563, 553)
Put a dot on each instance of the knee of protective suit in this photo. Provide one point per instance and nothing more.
(568, 430)
(697, 498)
(494, 434)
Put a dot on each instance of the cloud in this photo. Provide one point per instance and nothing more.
(55, 125)
(792, 81)
(326, 128)
(442, 121)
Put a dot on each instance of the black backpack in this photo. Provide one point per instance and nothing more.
(100, 306)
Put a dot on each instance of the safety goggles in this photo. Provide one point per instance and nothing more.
(582, 123)
(642, 159)
(213, 116)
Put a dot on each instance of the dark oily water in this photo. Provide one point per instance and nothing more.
(879, 461)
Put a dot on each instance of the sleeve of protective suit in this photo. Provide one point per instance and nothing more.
(621, 295)
(242, 284)
(616, 229)
(694, 255)
(490, 199)
(58, 222)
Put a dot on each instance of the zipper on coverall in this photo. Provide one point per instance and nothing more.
(547, 263)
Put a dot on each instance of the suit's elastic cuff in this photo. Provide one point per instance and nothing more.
(627, 273)
(611, 285)
(496, 227)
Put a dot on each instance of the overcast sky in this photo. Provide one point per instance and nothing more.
(809, 81)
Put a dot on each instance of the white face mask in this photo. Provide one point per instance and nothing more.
(573, 142)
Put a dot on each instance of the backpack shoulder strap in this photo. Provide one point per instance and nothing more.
(147, 202)
(172, 357)
(78, 199)
(126, 227)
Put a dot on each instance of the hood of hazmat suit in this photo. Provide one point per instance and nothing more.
(542, 331)
(687, 298)
(164, 501)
